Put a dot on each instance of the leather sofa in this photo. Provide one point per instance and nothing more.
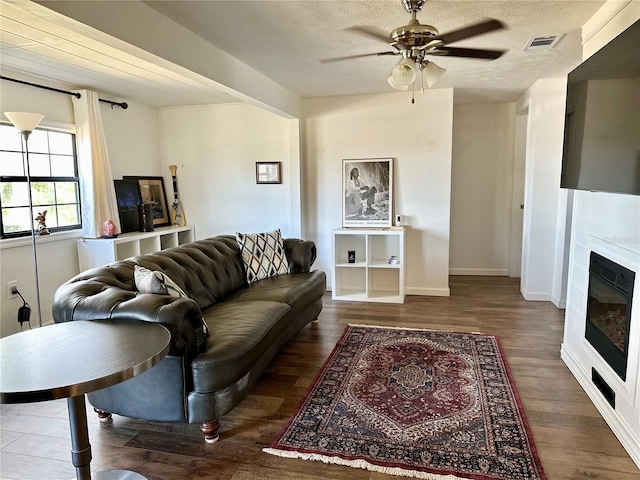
(203, 376)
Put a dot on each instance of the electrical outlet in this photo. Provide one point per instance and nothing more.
(12, 288)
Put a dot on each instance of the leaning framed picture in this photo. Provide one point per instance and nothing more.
(152, 191)
(367, 192)
(128, 199)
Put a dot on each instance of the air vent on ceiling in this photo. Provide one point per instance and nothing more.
(542, 43)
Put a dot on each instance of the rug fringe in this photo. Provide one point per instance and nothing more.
(401, 472)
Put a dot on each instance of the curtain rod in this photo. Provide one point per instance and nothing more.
(122, 105)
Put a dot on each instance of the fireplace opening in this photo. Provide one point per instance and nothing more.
(609, 311)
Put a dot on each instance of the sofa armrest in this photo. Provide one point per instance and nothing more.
(300, 253)
(93, 300)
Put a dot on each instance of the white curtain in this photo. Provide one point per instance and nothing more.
(96, 182)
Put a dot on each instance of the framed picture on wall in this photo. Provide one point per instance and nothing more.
(152, 191)
(268, 172)
(128, 199)
(367, 192)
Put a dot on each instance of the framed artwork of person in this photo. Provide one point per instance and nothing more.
(367, 192)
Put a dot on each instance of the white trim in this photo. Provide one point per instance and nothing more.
(26, 241)
(435, 292)
(601, 18)
(629, 441)
(493, 272)
(426, 292)
(50, 125)
(58, 126)
(561, 303)
(536, 296)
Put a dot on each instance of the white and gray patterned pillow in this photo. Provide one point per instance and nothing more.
(159, 283)
(150, 281)
(263, 255)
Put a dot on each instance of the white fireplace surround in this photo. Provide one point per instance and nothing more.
(592, 213)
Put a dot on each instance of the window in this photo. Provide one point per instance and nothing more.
(54, 181)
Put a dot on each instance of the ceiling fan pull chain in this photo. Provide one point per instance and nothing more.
(413, 92)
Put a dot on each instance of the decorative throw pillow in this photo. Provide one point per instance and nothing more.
(149, 281)
(158, 283)
(263, 255)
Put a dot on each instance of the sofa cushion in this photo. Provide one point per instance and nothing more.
(298, 290)
(244, 331)
(150, 281)
(263, 255)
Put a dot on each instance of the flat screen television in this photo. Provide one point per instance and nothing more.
(602, 119)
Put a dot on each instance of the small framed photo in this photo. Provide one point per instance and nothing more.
(367, 192)
(268, 172)
(152, 191)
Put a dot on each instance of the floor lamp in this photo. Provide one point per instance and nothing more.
(26, 123)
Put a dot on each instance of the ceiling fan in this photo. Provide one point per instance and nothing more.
(415, 41)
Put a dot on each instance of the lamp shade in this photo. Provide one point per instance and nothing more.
(404, 73)
(23, 121)
(395, 85)
(432, 73)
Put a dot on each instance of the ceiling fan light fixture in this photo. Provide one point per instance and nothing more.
(397, 86)
(432, 73)
(404, 73)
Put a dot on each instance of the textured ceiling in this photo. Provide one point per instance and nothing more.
(285, 40)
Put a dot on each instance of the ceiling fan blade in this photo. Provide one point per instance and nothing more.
(470, 31)
(350, 57)
(467, 52)
(370, 32)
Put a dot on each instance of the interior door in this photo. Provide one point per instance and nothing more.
(517, 199)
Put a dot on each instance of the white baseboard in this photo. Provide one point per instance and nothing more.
(536, 296)
(433, 292)
(493, 272)
(629, 441)
(559, 302)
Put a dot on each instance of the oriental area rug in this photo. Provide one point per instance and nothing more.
(414, 403)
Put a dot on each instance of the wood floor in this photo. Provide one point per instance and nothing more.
(572, 439)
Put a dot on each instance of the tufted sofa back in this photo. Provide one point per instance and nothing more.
(207, 270)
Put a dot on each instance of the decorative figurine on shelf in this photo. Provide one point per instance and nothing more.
(177, 213)
(109, 229)
(41, 218)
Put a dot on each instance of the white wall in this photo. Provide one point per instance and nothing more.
(546, 101)
(419, 138)
(608, 224)
(132, 138)
(481, 191)
(215, 149)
